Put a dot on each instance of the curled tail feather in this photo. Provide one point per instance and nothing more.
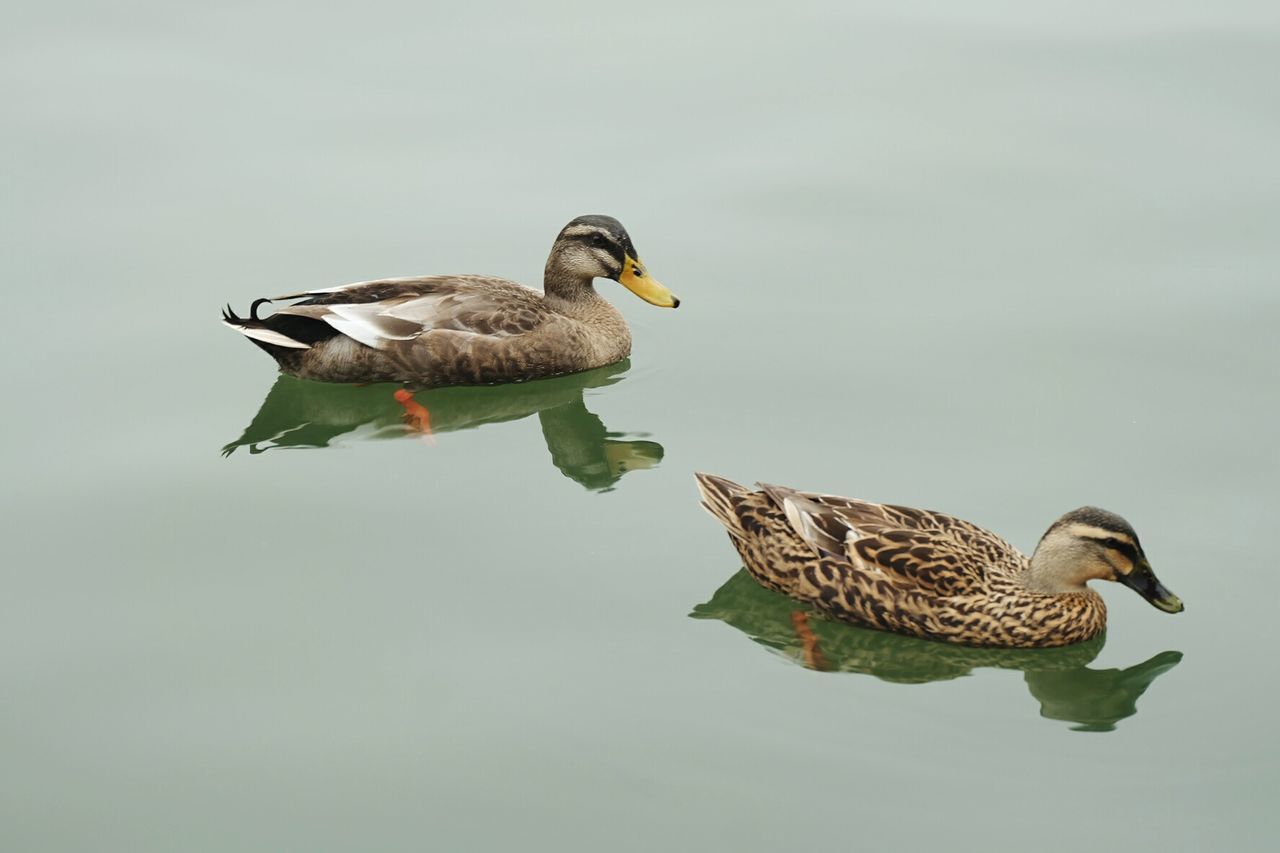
(272, 334)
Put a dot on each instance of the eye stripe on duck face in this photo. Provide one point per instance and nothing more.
(584, 251)
(590, 235)
(1111, 539)
(600, 238)
(1118, 543)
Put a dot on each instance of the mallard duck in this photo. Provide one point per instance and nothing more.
(931, 575)
(464, 329)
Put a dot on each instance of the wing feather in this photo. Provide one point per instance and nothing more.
(915, 549)
(381, 313)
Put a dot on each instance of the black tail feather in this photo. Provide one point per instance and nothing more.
(304, 330)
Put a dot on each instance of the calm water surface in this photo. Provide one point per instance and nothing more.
(1000, 263)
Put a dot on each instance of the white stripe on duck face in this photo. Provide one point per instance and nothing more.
(1089, 531)
(575, 232)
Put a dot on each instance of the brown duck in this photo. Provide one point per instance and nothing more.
(464, 329)
(932, 575)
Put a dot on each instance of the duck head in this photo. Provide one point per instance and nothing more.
(1091, 543)
(593, 247)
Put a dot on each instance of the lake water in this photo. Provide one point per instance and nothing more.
(1000, 262)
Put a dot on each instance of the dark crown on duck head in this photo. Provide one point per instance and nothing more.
(1093, 516)
(1101, 528)
(600, 231)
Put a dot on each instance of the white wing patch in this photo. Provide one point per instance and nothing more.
(458, 305)
(371, 324)
(267, 336)
(426, 311)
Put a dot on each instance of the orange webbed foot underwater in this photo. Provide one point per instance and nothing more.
(416, 416)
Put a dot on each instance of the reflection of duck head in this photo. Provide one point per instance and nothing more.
(1097, 698)
(300, 414)
(1058, 677)
(586, 452)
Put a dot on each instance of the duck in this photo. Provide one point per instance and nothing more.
(928, 574)
(448, 330)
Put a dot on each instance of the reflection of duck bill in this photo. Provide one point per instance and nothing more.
(624, 456)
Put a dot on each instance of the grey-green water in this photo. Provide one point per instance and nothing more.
(1000, 261)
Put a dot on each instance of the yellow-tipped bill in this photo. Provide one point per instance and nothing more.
(1143, 581)
(635, 279)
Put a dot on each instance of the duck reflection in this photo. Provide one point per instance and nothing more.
(1060, 679)
(301, 414)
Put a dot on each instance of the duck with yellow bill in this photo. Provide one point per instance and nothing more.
(464, 329)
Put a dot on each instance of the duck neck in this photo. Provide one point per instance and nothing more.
(576, 297)
(567, 285)
(1053, 570)
(1037, 579)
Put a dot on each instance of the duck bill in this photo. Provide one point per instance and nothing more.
(1144, 582)
(638, 281)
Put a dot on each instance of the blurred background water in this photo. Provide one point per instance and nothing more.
(1001, 261)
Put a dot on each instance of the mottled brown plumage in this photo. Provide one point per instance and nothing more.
(466, 329)
(929, 574)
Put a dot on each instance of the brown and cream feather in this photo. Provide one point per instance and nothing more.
(906, 570)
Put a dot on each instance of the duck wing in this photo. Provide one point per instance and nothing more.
(916, 550)
(380, 313)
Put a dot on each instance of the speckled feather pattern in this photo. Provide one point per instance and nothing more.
(895, 568)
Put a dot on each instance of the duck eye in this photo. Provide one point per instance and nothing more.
(1112, 542)
(599, 240)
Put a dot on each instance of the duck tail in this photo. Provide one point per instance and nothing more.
(260, 331)
(718, 497)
